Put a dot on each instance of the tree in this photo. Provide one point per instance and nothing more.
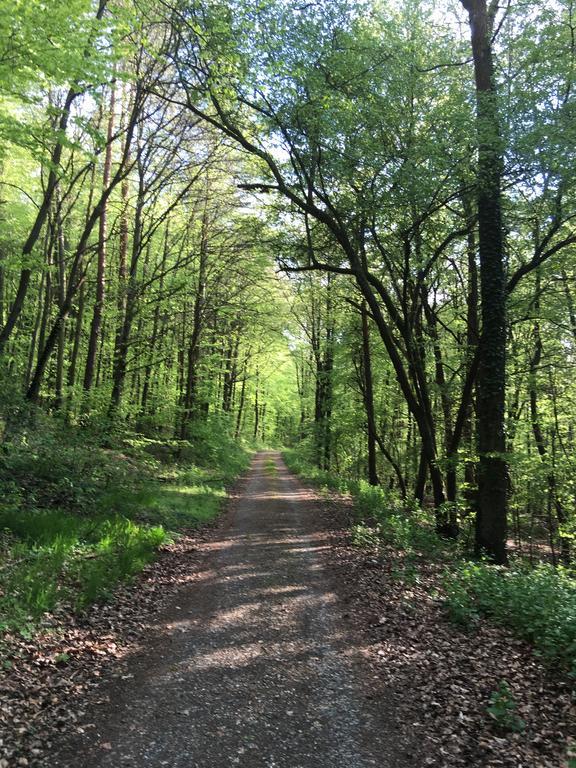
(491, 520)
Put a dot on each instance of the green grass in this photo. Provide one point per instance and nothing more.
(77, 519)
(50, 557)
(185, 497)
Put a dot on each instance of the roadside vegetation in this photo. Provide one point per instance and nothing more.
(536, 601)
(344, 227)
(80, 514)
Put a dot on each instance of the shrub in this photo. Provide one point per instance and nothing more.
(502, 709)
(537, 604)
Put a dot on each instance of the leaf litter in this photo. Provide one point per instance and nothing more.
(445, 677)
(442, 679)
(48, 679)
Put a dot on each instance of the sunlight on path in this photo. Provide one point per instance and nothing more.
(252, 669)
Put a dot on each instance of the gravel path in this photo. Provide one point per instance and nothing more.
(254, 666)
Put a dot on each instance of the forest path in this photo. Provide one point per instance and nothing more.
(254, 666)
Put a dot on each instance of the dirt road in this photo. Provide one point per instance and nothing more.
(254, 666)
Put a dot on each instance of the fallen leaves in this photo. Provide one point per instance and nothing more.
(47, 681)
(440, 676)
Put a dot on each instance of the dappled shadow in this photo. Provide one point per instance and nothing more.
(249, 667)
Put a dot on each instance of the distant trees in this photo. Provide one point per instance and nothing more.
(395, 180)
(141, 286)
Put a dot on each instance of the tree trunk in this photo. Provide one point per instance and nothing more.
(470, 478)
(96, 324)
(35, 329)
(242, 401)
(52, 183)
(491, 520)
(230, 372)
(77, 338)
(61, 251)
(256, 407)
(553, 497)
(368, 393)
(420, 486)
(193, 353)
(74, 278)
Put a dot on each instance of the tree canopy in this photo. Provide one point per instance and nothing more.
(344, 225)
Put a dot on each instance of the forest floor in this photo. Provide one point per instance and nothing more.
(269, 641)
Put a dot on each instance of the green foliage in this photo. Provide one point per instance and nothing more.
(371, 501)
(381, 516)
(459, 603)
(413, 531)
(502, 709)
(210, 445)
(537, 604)
(270, 467)
(122, 550)
(42, 52)
(298, 462)
(76, 519)
(365, 536)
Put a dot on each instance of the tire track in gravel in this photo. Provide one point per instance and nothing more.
(254, 666)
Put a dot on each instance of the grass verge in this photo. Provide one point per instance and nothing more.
(76, 519)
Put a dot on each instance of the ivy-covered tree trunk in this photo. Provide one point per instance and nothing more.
(470, 479)
(491, 520)
(324, 355)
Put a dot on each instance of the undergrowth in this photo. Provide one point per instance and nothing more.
(270, 467)
(77, 518)
(381, 517)
(537, 604)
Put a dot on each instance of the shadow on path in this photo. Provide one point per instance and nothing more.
(253, 666)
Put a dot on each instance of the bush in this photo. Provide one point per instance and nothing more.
(538, 604)
(502, 709)
(311, 474)
(371, 502)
